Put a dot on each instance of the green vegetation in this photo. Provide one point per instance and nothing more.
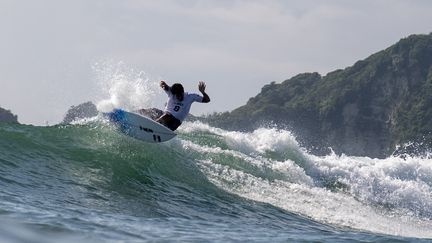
(365, 109)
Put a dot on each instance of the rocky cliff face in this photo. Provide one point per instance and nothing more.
(365, 110)
(7, 116)
(84, 110)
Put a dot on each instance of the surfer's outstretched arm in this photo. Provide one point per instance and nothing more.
(164, 85)
(201, 88)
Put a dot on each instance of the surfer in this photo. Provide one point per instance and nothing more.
(179, 103)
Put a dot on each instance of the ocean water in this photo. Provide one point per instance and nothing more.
(87, 182)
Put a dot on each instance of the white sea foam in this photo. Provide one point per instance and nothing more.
(85, 121)
(259, 141)
(124, 87)
(389, 196)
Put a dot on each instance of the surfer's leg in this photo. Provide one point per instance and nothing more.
(152, 113)
(143, 112)
(169, 121)
(156, 113)
(163, 120)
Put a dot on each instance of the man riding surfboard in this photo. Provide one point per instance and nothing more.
(178, 104)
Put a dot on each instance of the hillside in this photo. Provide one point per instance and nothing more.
(81, 111)
(366, 109)
(7, 116)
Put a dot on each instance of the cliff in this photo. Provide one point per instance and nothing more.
(84, 110)
(7, 116)
(364, 110)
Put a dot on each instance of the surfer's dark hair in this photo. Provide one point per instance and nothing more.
(177, 90)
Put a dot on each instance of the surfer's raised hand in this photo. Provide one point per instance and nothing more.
(201, 86)
(163, 85)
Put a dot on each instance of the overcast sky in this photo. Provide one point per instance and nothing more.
(58, 53)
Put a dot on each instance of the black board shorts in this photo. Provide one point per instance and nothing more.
(169, 121)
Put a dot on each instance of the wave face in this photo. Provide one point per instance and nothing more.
(89, 182)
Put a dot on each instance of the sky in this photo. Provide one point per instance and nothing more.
(59, 53)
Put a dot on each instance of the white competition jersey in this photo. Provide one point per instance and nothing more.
(180, 109)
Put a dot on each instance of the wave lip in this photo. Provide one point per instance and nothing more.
(385, 196)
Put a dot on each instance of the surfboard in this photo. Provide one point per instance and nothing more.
(139, 127)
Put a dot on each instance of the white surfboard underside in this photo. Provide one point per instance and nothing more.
(140, 127)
